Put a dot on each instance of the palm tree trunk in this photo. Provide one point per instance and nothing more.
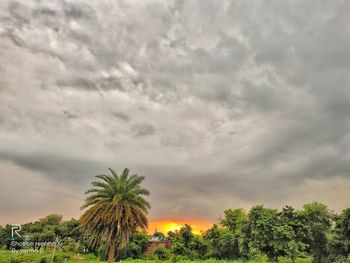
(111, 252)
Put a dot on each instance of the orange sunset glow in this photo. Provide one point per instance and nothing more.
(166, 225)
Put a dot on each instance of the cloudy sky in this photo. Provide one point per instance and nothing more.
(218, 103)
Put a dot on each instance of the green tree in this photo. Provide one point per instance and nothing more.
(181, 242)
(2, 240)
(320, 220)
(222, 243)
(186, 244)
(234, 219)
(72, 230)
(290, 234)
(47, 229)
(53, 219)
(258, 232)
(115, 208)
(137, 245)
(340, 243)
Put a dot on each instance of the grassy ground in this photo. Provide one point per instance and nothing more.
(45, 257)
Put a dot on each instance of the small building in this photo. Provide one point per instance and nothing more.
(155, 242)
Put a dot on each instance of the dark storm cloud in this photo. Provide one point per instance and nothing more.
(218, 103)
(58, 167)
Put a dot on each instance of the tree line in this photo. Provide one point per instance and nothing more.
(114, 224)
(314, 232)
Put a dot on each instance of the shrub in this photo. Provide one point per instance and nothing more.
(101, 252)
(59, 259)
(161, 253)
(71, 245)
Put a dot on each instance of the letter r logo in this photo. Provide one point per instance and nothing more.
(15, 230)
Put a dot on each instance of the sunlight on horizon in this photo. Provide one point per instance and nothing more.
(166, 225)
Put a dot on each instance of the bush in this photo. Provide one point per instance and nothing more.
(161, 253)
(59, 258)
(71, 245)
(101, 252)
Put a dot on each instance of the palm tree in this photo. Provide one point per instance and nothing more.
(116, 207)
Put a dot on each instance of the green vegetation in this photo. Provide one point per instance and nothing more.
(113, 228)
(44, 257)
(8, 257)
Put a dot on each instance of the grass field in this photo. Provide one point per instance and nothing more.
(61, 257)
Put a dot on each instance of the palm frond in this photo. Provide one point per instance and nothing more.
(115, 207)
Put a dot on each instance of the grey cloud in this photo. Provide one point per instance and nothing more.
(142, 129)
(15, 39)
(239, 102)
(59, 167)
(19, 12)
(46, 11)
(78, 83)
(122, 116)
(70, 115)
(78, 10)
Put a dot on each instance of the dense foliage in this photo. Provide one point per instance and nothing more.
(313, 232)
(113, 227)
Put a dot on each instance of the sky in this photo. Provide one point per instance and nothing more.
(219, 104)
